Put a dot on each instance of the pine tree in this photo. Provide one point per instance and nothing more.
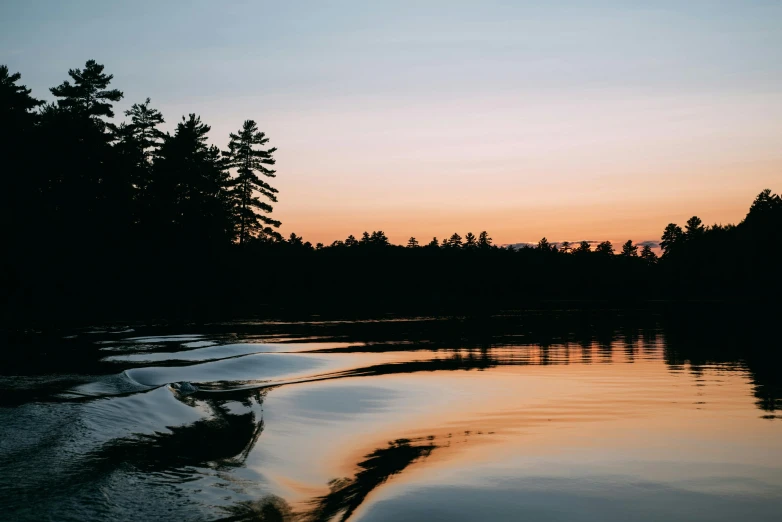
(139, 144)
(469, 241)
(190, 186)
(412, 243)
(88, 94)
(673, 235)
(647, 254)
(605, 248)
(765, 205)
(22, 184)
(484, 241)
(584, 247)
(455, 241)
(16, 104)
(629, 249)
(251, 163)
(378, 238)
(85, 175)
(143, 126)
(694, 228)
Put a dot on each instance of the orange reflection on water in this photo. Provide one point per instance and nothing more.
(594, 405)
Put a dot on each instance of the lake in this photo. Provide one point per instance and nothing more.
(521, 416)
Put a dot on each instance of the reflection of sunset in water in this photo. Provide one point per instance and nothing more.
(564, 416)
(541, 409)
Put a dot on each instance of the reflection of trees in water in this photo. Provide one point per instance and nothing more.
(702, 341)
(690, 334)
(223, 439)
(347, 494)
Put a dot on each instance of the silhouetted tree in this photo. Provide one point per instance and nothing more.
(584, 247)
(605, 248)
(648, 255)
(378, 239)
(16, 104)
(765, 208)
(23, 189)
(143, 126)
(88, 94)
(190, 186)
(694, 228)
(544, 245)
(455, 241)
(672, 236)
(250, 162)
(138, 146)
(99, 208)
(88, 195)
(629, 249)
(565, 248)
(484, 241)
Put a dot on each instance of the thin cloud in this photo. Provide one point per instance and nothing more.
(575, 243)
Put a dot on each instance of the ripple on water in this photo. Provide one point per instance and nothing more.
(231, 426)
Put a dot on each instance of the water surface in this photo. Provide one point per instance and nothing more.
(508, 418)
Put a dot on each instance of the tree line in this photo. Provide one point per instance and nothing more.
(81, 177)
(123, 219)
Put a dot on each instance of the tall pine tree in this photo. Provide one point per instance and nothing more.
(144, 121)
(22, 182)
(88, 94)
(250, 161)
(89, 194)
(189, 186)
(139, 145)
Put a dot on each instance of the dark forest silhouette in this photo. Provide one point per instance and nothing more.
(121, 220)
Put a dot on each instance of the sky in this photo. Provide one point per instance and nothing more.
(579, 120)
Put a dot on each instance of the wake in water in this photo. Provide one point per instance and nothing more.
(311, 421)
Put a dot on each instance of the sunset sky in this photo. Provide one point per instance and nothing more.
(572, 120)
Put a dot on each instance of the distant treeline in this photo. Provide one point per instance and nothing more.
(108, 220)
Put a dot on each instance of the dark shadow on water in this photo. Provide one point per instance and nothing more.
(753, 347)
(42, 368)
(347, 494)
(223, 440)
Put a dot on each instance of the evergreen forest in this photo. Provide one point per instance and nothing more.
(109, 217)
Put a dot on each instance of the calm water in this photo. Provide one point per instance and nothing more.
(513, 418)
